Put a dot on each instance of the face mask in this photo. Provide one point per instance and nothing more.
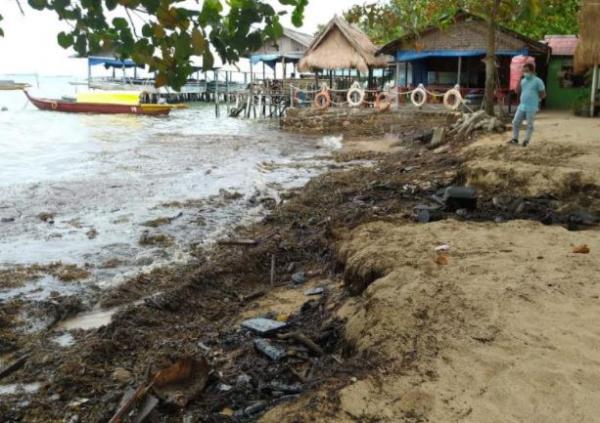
(528, 75)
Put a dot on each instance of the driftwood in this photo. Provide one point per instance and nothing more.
(478, 121)
(305, 340)
(242, 242)
(14, 366)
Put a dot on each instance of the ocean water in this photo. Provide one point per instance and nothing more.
(102, 177)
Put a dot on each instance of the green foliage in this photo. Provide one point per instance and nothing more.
(554, 17)
(387, 20)
(173, 32)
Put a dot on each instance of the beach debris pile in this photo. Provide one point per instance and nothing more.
(203, 317)
(479, 121)
(214, 373)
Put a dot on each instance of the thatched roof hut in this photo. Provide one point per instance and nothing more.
(342, 46)
(588, 50)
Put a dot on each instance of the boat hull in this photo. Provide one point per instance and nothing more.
(100, 108)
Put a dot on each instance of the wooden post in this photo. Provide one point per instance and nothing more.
(397, 85)
(458, 78)
(283, 82)
(217, 111)
(89, 73)
(594, 90)
(227, 76)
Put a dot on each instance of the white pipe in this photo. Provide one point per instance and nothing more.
(594, 90)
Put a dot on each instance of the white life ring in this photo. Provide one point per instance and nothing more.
(352, 93)
(453, 99)
(419, 97)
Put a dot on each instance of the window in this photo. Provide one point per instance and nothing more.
(567, 77)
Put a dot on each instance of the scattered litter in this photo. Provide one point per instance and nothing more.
(224, 387)
(252, 297)
(182, 381)
(78, 402)
(442, 260)
(65, 340)
(241, 242)
(581, 249)
(263, 326)
(228, 412)
(285, 388)
(204, 347)
(314, 291)
(426, 214)
(243, 379)
(122, 375)
(129, 400)
(251, 410)
(423, 216)
(304, 340)
(442, 248)
(299, 278)
(457, 198)
(273, 352)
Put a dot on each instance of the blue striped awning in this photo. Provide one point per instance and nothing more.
(111, 62)
(410, 55)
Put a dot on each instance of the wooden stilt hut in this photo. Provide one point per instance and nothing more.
(587, 55)
(342, 46)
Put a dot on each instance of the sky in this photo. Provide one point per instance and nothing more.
(29, 45)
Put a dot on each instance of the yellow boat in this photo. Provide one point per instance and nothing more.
(106, 102)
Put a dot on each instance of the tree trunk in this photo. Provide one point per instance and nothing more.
(490, 60)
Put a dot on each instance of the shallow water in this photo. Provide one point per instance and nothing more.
(18, 388)
(101, 177)
(90, 320)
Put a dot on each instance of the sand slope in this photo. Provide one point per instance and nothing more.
(506, 332)
(564, 159)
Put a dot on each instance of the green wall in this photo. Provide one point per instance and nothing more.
(559, 97)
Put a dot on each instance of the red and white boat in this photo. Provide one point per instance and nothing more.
(104, 102)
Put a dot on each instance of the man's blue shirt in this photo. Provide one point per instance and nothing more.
(531, 88)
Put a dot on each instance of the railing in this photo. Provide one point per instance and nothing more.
(382, 100)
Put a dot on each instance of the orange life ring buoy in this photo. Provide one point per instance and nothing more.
(383, 102)
(54, 105)
(322, 100)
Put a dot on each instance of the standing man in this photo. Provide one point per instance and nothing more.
(533, 91)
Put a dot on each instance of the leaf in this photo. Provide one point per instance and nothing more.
(120, 23)
(38, 4)
(111, 4)
(161, 80)
(65, 40)
(208, 61)
(198, 42)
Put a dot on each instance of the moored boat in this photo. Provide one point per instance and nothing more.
(12, 85)
(102, 102)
